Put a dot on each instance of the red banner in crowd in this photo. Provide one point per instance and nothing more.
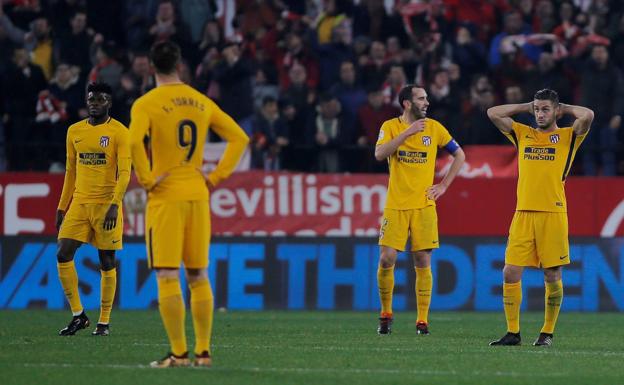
(255, 203)
(483, 162)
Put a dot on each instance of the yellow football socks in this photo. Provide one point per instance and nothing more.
(512, 299)
(108, 284)
(171, 306)
(553, 297)
(385, 281)
(69, 281)
(202, 307)
(424, 284)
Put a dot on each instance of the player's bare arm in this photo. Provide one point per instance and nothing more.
(383, 151)
(437, 190)
(583, 115)
(501, 115)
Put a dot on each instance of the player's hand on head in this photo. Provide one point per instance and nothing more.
(436, 191)
(60, 215)
(110, 220)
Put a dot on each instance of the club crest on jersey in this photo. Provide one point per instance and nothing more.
(426, 140)
(554, 138)
(104, 141)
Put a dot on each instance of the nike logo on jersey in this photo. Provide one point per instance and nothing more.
(528, 136)
(77, 140)
(434, 242)
(564, 257)
(116, 241)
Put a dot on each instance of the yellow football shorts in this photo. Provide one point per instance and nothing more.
(421, 225)
(84, 222)
(177, 232)
(538, 239)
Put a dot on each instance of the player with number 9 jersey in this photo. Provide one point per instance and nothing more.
(168, 129)
(175, 119)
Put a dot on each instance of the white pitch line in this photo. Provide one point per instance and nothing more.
(547, 351)
(300, 370)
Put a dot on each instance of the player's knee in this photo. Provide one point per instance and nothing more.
(552, 274)
(194, 275)
(422, 258)
(62, 257)
(107, 262)
(511, 274)
(64, 253)
(388, 258)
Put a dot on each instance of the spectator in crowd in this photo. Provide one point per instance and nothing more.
(350, 95)
(395, 81)
(168, 26)
(107, 69)
(327, 132)
(6, 45)
(269, 135)
(74, 46)
(137, 15)
(210, 43)
(444, 99)
(240, 52)
(602, 91)
(296, 52)
(476, 128)
(303, 100)
(468, 52)
(512, 37)
(551, 74)
(370, 118)
(233, 75)
(194, 13)
(331, 54)
(66, 87)
(38, 41)
(133, 83)
(263, 86)
(375, 70)
(61, 15)
(21, 86)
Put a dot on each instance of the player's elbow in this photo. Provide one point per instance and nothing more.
(491, 113)
(589, 115)
(379, 156)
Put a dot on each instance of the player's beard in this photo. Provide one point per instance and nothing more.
(416, 113)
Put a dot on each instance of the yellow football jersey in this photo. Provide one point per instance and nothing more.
(544, 161)
(175, 118)
(98, 163)
(412, 166)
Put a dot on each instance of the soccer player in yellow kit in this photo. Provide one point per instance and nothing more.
(96, 178)
(175, 118)
(410, 143)
(538, 236)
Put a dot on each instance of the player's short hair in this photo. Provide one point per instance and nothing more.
(406, 94)
(547, 94)
(165, 56)
(100, 88)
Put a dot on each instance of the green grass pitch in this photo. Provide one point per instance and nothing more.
(315, 348)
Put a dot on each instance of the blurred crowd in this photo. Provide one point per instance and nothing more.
(311, 81)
